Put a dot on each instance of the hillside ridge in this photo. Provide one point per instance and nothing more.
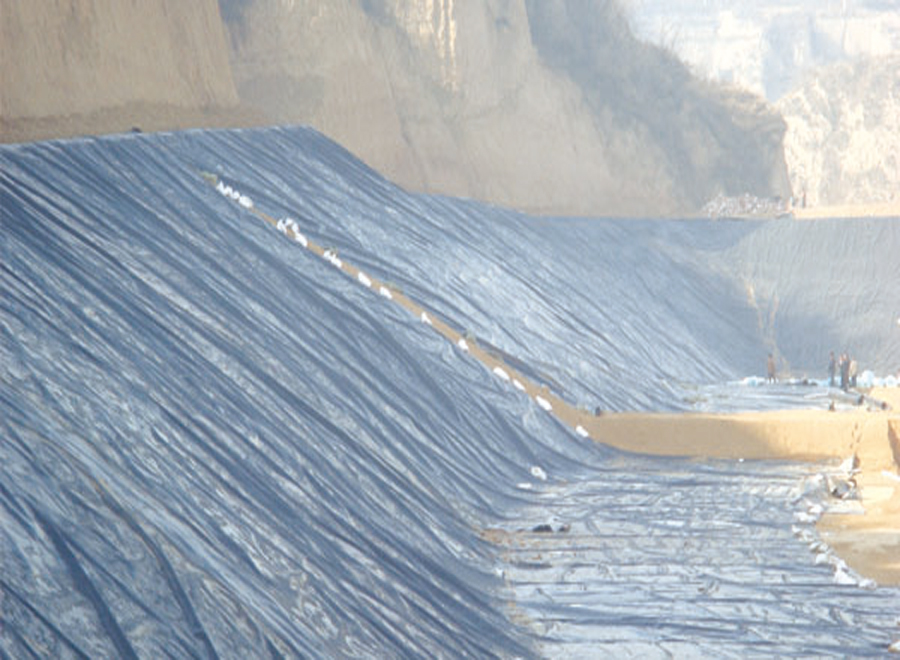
(553, 108)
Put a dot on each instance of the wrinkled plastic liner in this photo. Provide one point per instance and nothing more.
(213, 442)
(661, 559)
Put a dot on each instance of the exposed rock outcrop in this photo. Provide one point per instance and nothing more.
(768, 46)
(60, 57)
(441, 96)
(706, 139)
(551, 107)
(843, 136)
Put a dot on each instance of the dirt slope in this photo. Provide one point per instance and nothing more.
(60, 58)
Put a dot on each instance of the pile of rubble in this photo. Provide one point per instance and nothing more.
(746, 206)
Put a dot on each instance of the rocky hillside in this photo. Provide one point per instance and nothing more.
(706, 139)
(59, 57)
(550, 106)
(767, 46)
(446, 97)
(843, 136)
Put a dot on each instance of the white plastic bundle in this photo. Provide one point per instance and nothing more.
(330, 255)
(538, 472)
(501, 374)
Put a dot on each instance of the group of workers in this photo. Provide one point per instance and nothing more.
(845, 367)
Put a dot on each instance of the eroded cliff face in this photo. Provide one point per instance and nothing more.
(707, 139)
(547, 106)
(843, 136)
(441, 96)
(466, 98)
(76, 57)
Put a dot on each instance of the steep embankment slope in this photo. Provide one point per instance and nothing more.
(207, 448)
(214, 442)
(108, 65)
(445, 97)
(825, 285)
(550, 107)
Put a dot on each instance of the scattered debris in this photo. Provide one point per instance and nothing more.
(546, 528)
(745, 206)
(843, 489)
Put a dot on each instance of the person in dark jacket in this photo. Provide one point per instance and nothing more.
(844, 366)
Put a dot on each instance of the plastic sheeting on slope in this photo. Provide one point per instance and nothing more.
(214, 443)
(613, 313)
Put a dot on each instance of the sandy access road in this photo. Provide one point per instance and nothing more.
(869, 543)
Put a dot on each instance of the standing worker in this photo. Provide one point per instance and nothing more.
(844, 366)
